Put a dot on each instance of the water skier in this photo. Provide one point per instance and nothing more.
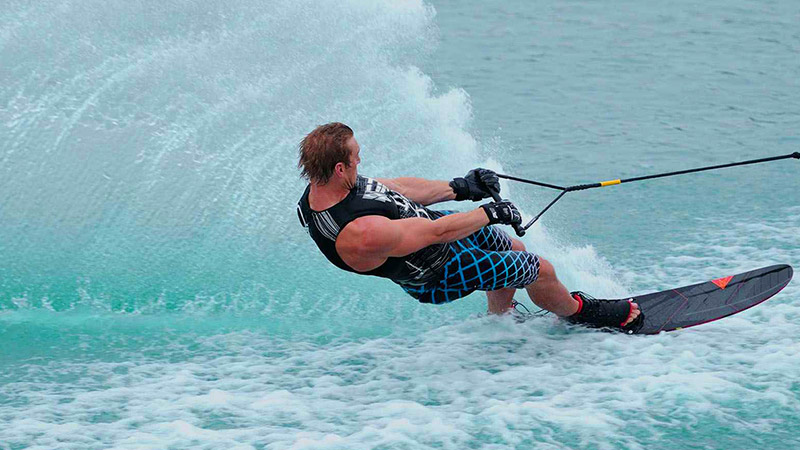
(382, 227)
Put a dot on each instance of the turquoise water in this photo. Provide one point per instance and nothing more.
(157, 292)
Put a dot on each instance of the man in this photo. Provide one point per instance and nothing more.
(382, 227)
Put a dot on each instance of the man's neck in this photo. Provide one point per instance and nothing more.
(323, 196)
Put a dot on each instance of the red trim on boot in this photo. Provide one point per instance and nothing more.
(580, 303)
(630, 311)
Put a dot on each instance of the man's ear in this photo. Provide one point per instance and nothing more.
(338, 169)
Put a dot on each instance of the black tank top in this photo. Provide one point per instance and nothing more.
(371, 198)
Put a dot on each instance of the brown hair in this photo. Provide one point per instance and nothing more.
(322, 149)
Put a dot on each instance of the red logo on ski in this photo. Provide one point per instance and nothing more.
(722, 283)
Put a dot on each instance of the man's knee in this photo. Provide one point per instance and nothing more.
(517, 245)
(546, 270)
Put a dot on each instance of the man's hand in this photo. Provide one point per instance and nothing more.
(476, 185)
(502, 212)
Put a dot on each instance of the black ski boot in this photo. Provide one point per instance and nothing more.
(598, 313)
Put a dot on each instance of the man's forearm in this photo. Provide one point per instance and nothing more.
(453, 227)
(426, 192)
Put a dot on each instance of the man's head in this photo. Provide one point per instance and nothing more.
(330, 152)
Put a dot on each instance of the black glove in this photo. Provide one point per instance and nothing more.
(502, 212)
(476, 185)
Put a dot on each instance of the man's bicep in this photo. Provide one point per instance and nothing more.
(411, 235)
(392, 183)
(395, 238)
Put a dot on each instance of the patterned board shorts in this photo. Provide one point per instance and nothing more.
(483, 261)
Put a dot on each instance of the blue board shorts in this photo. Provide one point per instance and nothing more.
(482, 261)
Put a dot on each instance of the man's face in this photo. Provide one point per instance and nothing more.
(351, 172)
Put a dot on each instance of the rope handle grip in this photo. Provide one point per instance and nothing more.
(517, 227)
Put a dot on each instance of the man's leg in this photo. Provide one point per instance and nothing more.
(546, 292)
(490, 259)
(499, 301)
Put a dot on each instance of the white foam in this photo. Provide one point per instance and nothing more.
(164, 224)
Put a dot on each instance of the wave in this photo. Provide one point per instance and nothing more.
(149, 151)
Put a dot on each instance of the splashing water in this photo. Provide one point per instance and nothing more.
(158, 292)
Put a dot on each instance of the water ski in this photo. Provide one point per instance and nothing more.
(701, 303)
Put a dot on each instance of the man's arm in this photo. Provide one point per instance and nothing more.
(426, 192)
(368, 241)
(476, 185)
